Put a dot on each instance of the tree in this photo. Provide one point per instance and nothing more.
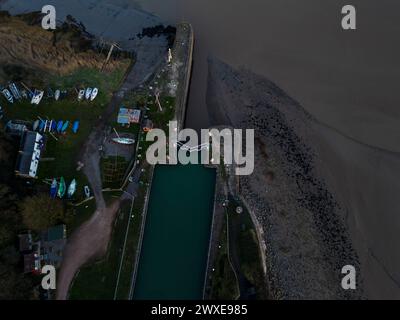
(10, 218)
(41, 212)
(5, 146)
(14, 284)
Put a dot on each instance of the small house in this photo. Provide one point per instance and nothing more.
(127, 116)
(53, 241)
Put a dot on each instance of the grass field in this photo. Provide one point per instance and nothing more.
(62, 154)
(128, 260)
(97, 280)
(223, 282)
(246, 243)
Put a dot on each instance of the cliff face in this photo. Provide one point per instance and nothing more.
(25, 44)
(331, 202)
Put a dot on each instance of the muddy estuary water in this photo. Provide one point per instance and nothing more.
(346, 79)
(176, 239)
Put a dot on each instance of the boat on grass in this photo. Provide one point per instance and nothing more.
(14, 90)
(61, 188)
(75, 127)
(124, 141)
(81, 94)
(6, 93)
(71, 188)
(59, 126)
(37, 97)
(88, 93)
(41, 125)
(86, 189)
(54, 189)
(35, 125)
(65, 126)
(94, 93)
(57, 94)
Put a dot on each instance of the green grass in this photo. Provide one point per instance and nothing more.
(248, 249)
(128, 262)
(97, 281)
(113, 171)
(223, 281)
(65, 151)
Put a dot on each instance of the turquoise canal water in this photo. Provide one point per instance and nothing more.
(175, 245)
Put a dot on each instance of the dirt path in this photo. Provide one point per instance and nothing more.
(89, 242)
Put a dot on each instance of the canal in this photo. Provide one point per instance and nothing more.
(174, 252)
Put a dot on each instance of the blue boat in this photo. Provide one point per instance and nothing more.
(54, 126)
(65, 126)
(54, 189)
(41, 125)
(59, 126)
(75, 127)
(14, 90)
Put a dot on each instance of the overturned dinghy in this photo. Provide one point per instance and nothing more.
(65, 126)
(86, 189)
(59, 126)
(14, 90)
(71, 189)
(124, 141)
(42, 125)
(88, 93)
(81, 94)
(7, 95)
(54, 126)
(75, 127)
(57, 95)
(61, 188)
(54, 189)
(37, 97)
(35, 125)
(94, 93)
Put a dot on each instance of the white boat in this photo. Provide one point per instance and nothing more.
(14, 90)
(46, 125)
(37, 97)
(93, 96)
(71, 188)
(124, 141)
(8, 95)
(81, 94)
(35, 125)
(86, 189)
(50, 125)
(88, 93)
(57, 94)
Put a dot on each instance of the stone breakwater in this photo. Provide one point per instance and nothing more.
(307, 242)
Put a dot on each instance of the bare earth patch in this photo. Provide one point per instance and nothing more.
(89, 242)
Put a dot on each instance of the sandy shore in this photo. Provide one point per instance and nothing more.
(332, 201)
